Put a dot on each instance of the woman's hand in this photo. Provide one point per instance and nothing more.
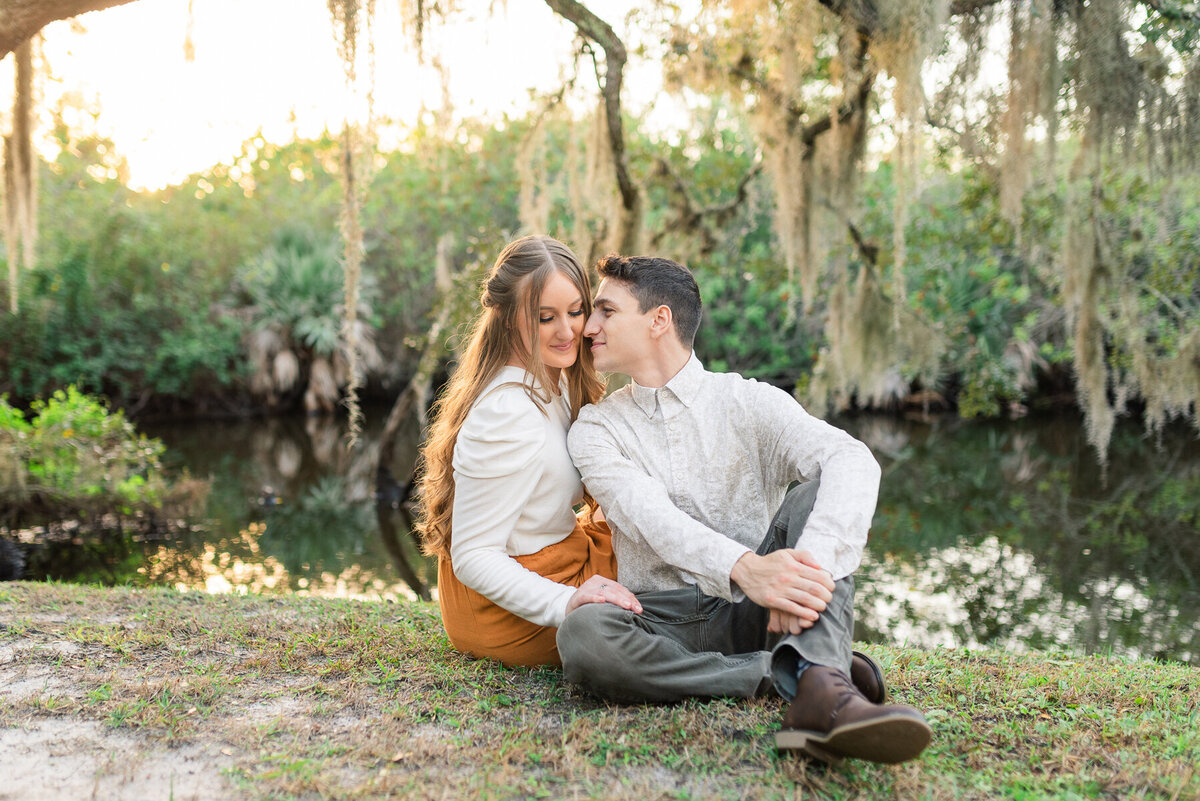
(600, 590)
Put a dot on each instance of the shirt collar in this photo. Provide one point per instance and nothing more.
(684, 386)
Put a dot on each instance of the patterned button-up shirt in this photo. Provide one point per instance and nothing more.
(690, 474)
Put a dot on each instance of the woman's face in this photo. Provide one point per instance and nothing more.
(559, 324)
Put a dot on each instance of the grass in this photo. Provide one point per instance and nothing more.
(308, 698)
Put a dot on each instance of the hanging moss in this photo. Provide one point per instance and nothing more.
(806, 76)
(189, 45)
(349, 18)
(535, 198)
(1032, 57)
(1131, 338)
(20, 175)
(868, 359)
(910, 32)
(805, 71)
(592, 189)
(11, 235)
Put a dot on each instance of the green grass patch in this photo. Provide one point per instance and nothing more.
(307, 698)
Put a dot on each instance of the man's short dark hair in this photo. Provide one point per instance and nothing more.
(658, 282)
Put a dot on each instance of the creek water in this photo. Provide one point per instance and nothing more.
(1005, 534)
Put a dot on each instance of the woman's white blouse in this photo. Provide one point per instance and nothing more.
(514, 486)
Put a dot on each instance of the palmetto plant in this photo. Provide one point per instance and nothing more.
(294, 300)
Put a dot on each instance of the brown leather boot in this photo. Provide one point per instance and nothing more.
(830, 719)
(867, 676)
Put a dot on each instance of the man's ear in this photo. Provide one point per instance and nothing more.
(661, 322)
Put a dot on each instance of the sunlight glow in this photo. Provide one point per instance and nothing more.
(273, 67)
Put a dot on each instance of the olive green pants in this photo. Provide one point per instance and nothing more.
(687, 644)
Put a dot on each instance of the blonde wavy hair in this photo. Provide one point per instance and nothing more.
(516, 280)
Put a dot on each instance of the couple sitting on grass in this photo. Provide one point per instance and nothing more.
(680, 474)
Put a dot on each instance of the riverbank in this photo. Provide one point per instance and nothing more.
(118, 693)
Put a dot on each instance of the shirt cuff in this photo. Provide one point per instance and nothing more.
(722, 586)
(557, 610)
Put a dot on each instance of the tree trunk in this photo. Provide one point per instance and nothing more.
(21, 19)
(20, 175)
(413, 400)
(627, 229)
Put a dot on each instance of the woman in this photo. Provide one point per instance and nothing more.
(498, 485)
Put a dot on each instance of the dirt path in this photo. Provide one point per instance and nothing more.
(75, 759)
(52, 749)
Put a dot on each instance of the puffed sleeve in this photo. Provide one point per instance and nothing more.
(497, 464)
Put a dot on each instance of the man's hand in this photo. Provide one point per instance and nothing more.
(790, 583)
(599, 590)
(783, 623)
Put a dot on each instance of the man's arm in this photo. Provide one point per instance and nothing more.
(640, 506)
(803, 447)
(796, 584)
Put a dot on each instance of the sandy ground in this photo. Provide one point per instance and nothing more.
(79, 759)
(69, 757)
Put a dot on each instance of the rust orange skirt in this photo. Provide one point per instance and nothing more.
(479, 627)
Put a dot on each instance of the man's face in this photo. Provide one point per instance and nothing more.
(620, 333)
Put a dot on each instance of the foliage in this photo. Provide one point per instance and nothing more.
(75, 458)
(296, 285)
(966, 278)
(293, 293)
(116, 305)
(1115, 81)
(465, 188)
(1149, 301)
(749, 326)
(88, 323)
(133, 296)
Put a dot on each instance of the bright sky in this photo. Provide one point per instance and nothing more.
(273, 64)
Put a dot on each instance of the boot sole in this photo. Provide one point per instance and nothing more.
(889, 739)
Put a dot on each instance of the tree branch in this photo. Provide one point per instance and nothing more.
(744, 70)
(959, 7)
(21, 19)
(689, 218)
(869, 250)
(847, 110)
(862, 14)
(615, 56)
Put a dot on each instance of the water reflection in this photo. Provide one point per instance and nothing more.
(291, 509)
(1011, 536)
(1005, 535)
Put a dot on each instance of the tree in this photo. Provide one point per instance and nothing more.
(1116, 82)
(627, 225)
(1113, 82)
(21, 19)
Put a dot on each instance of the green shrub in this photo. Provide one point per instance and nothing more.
(750, 329)
(74, 458)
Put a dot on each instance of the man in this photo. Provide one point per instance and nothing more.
(689, 467)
